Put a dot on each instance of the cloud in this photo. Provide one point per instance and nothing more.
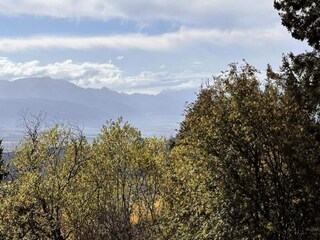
(98, 75)
(97, 9)
(155, 82)
(193, 12)
(130, 41)
(85, 74)
(120, 57)
(161, 42)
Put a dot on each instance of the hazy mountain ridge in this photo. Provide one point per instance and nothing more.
(64, 101)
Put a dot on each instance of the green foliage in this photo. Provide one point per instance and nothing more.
(300, 74)
(300, 77)
(301, 18)
(245, 164)
(188, 195)
(38, 203)
(68, 189)
(126, 175)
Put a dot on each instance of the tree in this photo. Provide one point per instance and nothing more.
(126, 174)
(245, 164)
(3, 165)
(46, 195)
(302, 19)
(65, 188)
(300, 73)
(188, 194)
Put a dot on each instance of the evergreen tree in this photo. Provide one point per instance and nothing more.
(302, 18)
(300, 74)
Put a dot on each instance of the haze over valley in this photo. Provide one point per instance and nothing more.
(89, 109)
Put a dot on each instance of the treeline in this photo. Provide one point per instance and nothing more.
(62, 187)
(245, 163)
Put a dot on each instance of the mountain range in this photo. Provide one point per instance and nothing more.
(63, 101)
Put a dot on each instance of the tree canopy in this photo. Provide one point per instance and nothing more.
(67, 188)
(301, 73)
(245, 164)
(302, 19)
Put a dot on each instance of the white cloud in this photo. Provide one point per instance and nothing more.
(120, 57)
(193, 11)
(98, 75)
(162, 42)
(131, 41)
(97, 9)
(154, 82)
(85, 74)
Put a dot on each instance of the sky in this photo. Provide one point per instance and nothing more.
(138, 46)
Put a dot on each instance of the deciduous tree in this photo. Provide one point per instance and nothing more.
(245, 164)
(126, 174)
(39, 203)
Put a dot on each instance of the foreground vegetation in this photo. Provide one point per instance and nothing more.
(244, 165)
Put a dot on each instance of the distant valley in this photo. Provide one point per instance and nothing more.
(89, 108)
